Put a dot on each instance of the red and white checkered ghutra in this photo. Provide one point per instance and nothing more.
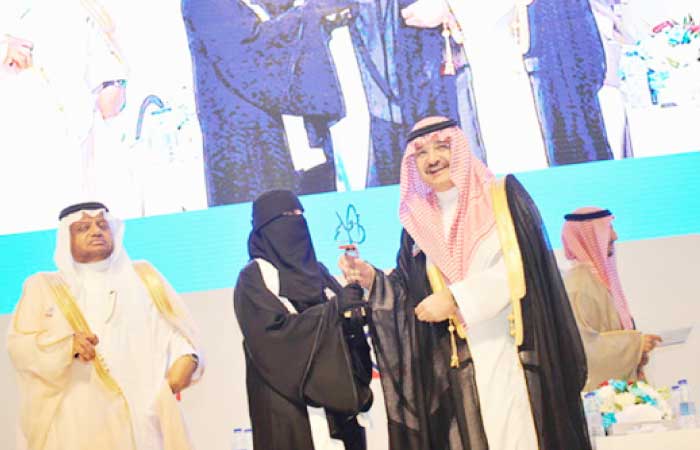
(420, 213)
(587, 242)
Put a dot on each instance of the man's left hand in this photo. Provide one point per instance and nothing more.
(180, 373)
(19, 53)
(436, 307)
(431, 14)
(426, 13)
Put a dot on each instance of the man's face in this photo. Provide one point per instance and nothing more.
(611, 244)
(91, 239)
(433, 163)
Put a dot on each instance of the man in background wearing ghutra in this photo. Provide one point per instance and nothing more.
(614, 348)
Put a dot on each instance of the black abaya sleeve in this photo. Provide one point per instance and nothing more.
(303, 357)
(552, 352)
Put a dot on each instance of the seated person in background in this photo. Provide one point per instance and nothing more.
(308, 364)
(614, 348)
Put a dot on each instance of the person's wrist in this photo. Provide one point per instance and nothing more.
(119, 83)
(372, 277)
(4, 46)
(74, 347)
(195, 359)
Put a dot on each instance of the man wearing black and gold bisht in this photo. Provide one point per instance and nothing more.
(475, 339)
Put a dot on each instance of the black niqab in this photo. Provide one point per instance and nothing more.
(285, 242)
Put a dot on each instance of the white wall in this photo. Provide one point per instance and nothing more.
(658, 277)
(661, 280)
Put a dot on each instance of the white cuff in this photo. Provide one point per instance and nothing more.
(483, 295)
(179, 347)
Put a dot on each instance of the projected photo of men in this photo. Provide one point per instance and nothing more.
(401, 72)
(277, 81)
(252, 64)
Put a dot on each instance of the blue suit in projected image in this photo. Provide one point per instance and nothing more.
(253, 63)
(566, 62)
(400, 68)
(259, 62)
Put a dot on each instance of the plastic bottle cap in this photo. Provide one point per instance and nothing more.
(237, 430)
(675, 387)
(683, 381)
(589, 395)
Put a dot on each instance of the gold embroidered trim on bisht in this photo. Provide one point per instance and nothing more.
(66, 303)
(155, 287)
(70, 310)
(512, 256)
(159, 295)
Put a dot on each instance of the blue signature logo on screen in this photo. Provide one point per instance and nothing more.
(349, 229)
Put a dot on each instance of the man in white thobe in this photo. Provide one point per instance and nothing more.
(608, 18)
(61, 73)
(475, 339)
(101, 347)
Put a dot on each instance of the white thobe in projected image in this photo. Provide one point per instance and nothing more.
(610, 97)
(47, 111)
(505, 104)
(161, 170)
(351, 135)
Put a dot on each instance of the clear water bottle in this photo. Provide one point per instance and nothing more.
(686, 417)
(676, 402)
(593, 418)
(248, 438)
(238, 442)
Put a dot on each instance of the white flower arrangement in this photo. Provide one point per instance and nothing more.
(668, 60)
(634, 401)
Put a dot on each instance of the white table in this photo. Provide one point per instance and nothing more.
(665, 440)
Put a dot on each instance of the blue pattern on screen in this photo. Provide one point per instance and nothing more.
(204, 250)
